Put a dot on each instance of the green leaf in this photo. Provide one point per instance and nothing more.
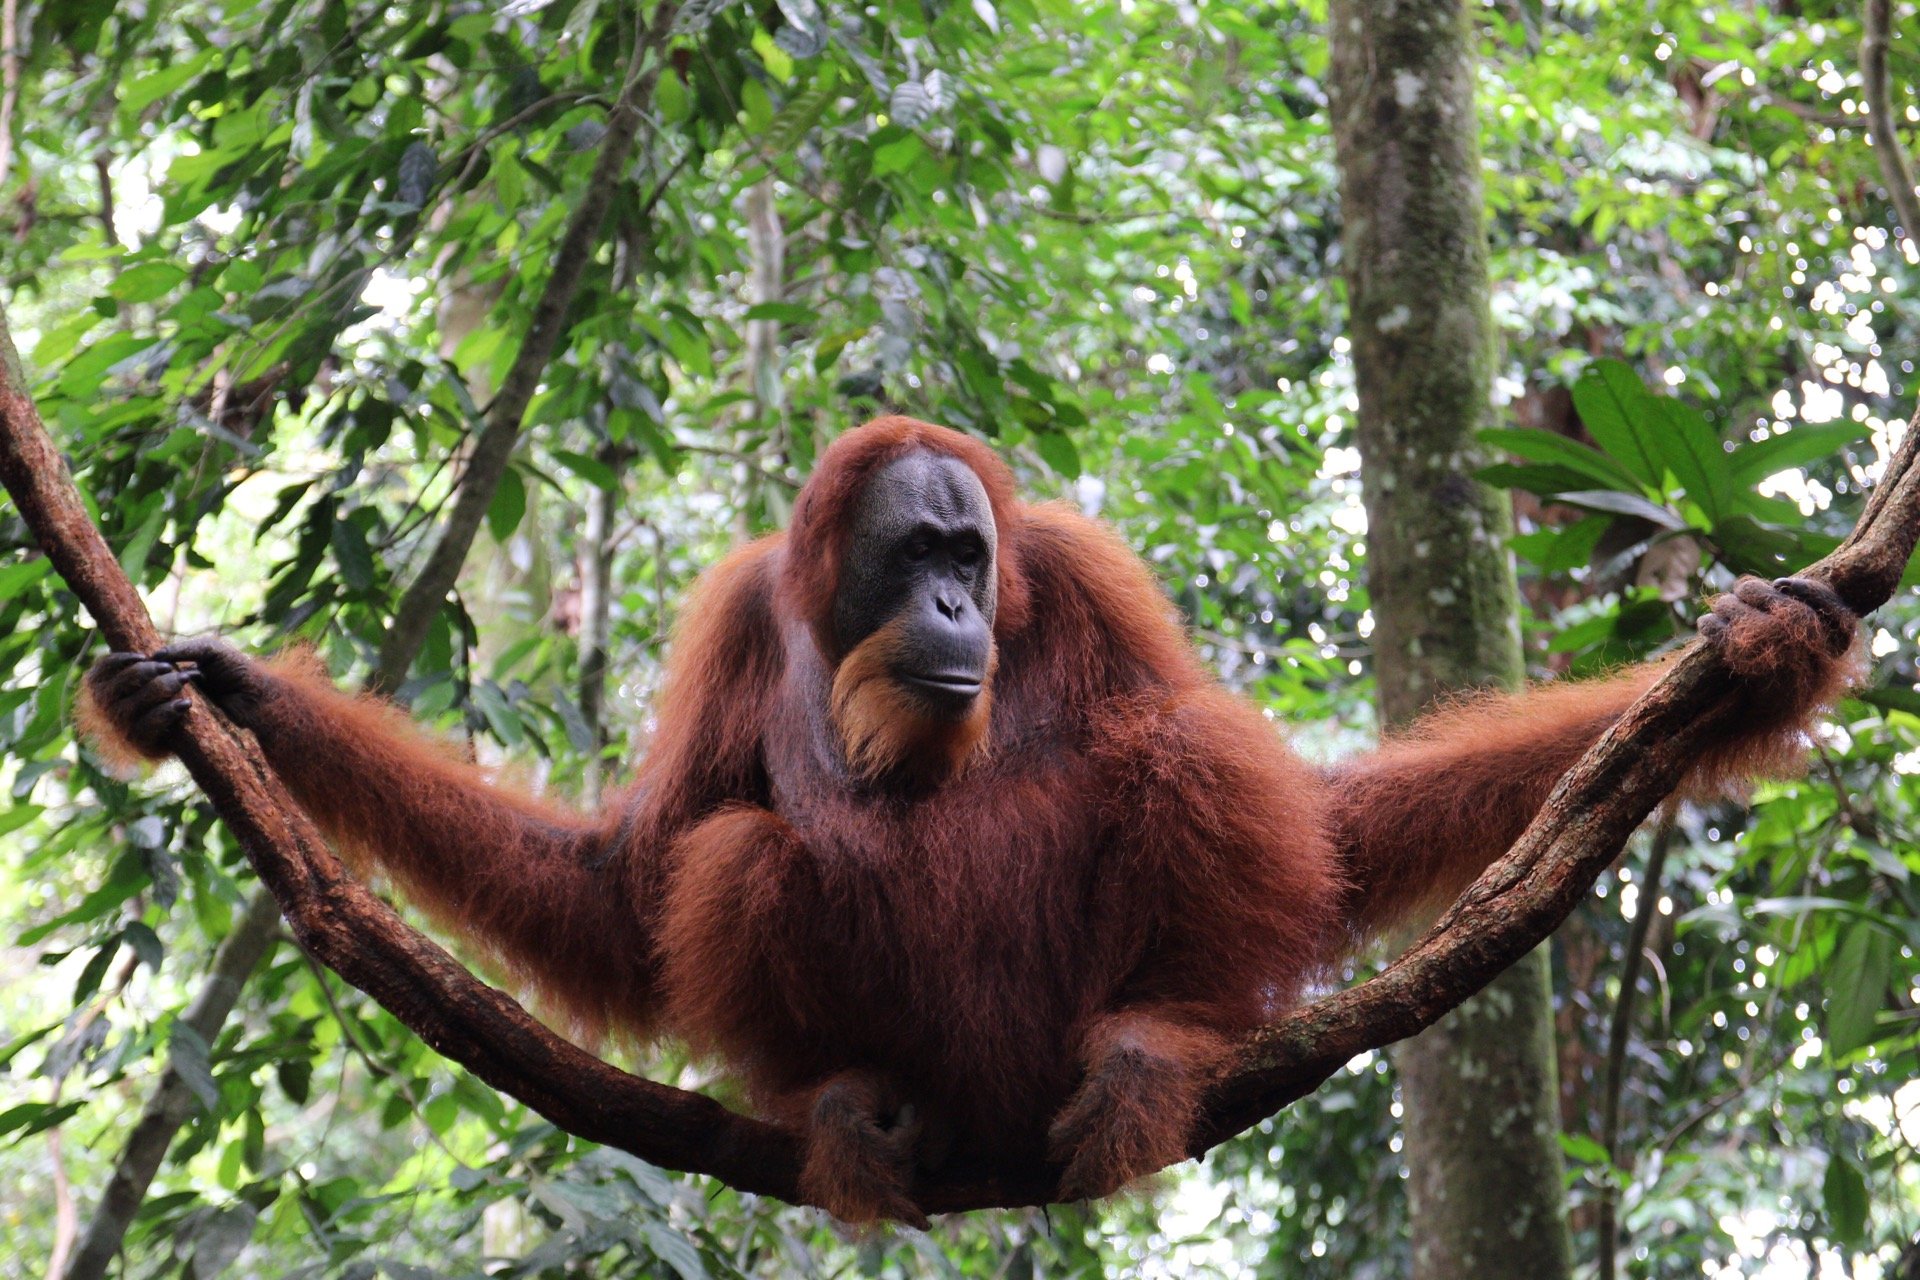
(15, 578)
(500, 715)
(13, 1047)
(1751, 463)
(1556, 550)
(188, 1057)
(784, 312)
(147, 281)
(592, 470)
(508, 506)
(1844, 1193)
(897, 156)
(1579, 1146)
(675, 1250)
(1537, 445)
(1691, 449)
(30, 1118)
(798, 116)
(1625, 504)
(145, 944)
(19, 816)
(142, 91)
(1617, 410)
(351, 552)
(1857, 986)
(218, 1239)
(296, 1078)
(1057, 448)
(1545, 479)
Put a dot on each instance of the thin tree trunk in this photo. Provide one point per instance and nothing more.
(10, 85)
(1619, 1034)
(1481, 1132)
(766, 282)
(499, 432)
(596, 600)
(172, 1100)
(1876, 29)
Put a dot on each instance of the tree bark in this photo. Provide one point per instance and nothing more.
(1619, 1036)
(596, 617)
(1481, 1130)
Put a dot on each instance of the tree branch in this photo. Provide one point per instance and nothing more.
(1509, 910)
(1876, 28)
(493, 444)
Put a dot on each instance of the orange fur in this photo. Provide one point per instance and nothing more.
(883, 727)
(488, 861)
(116, 750)
(1421, 817)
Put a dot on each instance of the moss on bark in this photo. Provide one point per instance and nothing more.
(1486, 1187)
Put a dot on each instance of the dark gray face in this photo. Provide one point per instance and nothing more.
(922, 550)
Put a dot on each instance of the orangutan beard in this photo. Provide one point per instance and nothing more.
(886, 729)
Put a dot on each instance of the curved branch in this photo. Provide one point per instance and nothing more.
(1514, 905)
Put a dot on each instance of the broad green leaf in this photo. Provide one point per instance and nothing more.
(1843, 1192)
(19, 816)
(592, 470)
(1617, 410)
(675, 1250)
(142, 91)
(1753, 462)
(508, 506)
(187, 1054)
(1550, 447)
(499, 713)
(1625, 504)
(147, 281)
(898, 156)
(1579, 1146)
(1857, 986)
(1691, 449)
(784, 312)
(352, 554)
(1545, 479)
(1057, 448)
(15, 578)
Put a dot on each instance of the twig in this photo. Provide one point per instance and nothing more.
(9, 81)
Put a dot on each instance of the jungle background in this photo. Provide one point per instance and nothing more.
(286, 276)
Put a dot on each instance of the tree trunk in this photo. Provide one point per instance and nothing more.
(1486, 1192)
(596, 619)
